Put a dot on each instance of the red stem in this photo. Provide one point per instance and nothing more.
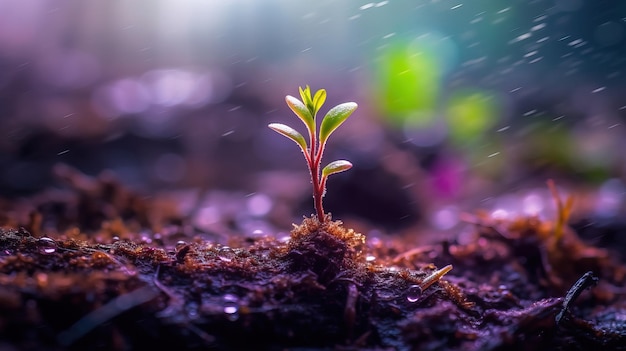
(314, 165)
(314, 160)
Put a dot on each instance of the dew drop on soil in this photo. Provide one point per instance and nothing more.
(226, 254)
(231, 307)
(47, 246)
(231, 311)
(413, 293)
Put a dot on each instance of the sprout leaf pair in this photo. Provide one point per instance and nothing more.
(307, 109)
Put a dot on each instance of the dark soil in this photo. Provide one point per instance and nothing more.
(101, 268)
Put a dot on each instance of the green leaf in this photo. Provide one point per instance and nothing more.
(336, 167)
(302, 112)
(334, 118)
(302, 94)
(319, 99)
(306, 97)
(308, 101)
(289, 133)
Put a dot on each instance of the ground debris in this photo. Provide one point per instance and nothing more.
(319, 289)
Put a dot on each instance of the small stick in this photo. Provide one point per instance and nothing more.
(586, 281)
(434, 277)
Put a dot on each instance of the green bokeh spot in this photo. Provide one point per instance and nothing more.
(470, 114)
(408, 84)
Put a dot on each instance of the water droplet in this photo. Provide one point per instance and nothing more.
(231, 311)
(115, 239)
(231, 307)
(413, 293)
(47, 246)
(226, 254)
(370, 258)
(180, 244)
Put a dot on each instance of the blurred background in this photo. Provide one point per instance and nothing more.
(462, 105)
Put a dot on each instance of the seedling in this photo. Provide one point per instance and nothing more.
(307, 110)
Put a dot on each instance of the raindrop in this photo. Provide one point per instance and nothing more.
(226, 254)
(47, 246)
(538, 27)
(413, 293)
(521, 37)
(598, 90)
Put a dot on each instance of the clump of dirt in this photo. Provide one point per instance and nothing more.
(515, 286)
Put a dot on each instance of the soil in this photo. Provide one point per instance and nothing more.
(98, 267)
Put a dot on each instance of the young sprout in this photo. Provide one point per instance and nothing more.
(307, 110)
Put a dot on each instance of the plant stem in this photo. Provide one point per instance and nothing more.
(318, 194)
(314, 165)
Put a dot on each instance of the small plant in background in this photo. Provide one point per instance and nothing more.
(307, 110)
